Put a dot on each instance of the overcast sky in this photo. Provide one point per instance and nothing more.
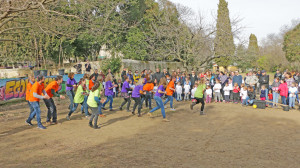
(261, 17)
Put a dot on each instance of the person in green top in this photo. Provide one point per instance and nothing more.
(79, 99)
(199, 96)
(94, 102)
(100, 89)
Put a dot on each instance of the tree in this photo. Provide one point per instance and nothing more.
(223, 44)
(292, 44)
(253, 51)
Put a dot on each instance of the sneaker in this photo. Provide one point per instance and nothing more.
(173, 109)
(202, 113)
(96, 127)
(48, 123)
(90, 124)
(102, 115)
(165, 120)
(120, 108)
(166, 107)
(87, 117)
(139, 115)
(128, 110)
(68, 117)
(103, 108)
(132, 113)
(28, 123)
(41, 127)
(54, 123)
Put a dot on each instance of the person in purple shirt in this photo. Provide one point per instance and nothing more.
(157, 97)
(71, 83)
(125, 95)
(109, 92)
(136, 95)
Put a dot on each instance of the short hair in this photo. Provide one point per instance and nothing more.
(59, 77)
(40, 77)
(70, 74)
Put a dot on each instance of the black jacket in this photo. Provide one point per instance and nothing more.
(264, 80)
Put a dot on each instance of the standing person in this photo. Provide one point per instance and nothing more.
(148, 88)
(193, 79)
(31, 81)
(208, 92)
(187, 87)
(217, 91)
(244, 95)
(283, 89)
(236, 93)
(136, 76)
(130, 76)
(178, 91)
(123, 74)
(125, 94)
(264, 81)
(223, 80)
(158, 75)
(109, 92)
(251, 80)
(237, 78)
(293, 90)
(199, 96)
(71, 83)
(51, 91)
(79, 98)
(136, 96)
(275, 87)
(227, 92)
(277, 74)
(157, 97)
(170, 90)
(263, 93)
(165, 73)
(78, 68)
(93, 102)
(88, 67)
(193, 91)
(36, 92)
(95, 74)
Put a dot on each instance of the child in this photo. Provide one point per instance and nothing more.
(251, 95)
(187, 88)
(236, 91)
(263, 93)
(178, 91)
(227, 92)
(230, 84)
(244, 95)
(242, 89)
(136, 96)
(125, 93)
(283, 89)
(199, 96)
(193, 91)
(275, 87)
(217, 89)
(292, 95)
(270, 96)
(208, 94)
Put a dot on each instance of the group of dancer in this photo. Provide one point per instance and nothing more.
(93, 93)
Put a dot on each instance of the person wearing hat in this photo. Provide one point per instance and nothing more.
(277, 74)
(264, 81)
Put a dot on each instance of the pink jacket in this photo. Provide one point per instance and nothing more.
(283, 89)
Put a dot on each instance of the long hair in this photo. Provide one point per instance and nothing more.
(163, 81)
(86, 76)
(108, 78)
(70, 75)
(96, 86)
(140, 82)
(58, 78)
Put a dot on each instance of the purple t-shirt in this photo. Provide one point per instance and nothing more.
(70, 82)
(108, 92)
(124, 87)
(136, 91)
(161, 88)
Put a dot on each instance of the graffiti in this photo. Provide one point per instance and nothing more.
(16, 87)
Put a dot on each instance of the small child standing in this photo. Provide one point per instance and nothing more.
(187, 92)
(236, 91)
(242, 89)
(230, 84)
(193, 91)
(263, 93)
(227, 93)
(244, 94)
(217, 88)
(292, 95)
(270, 96)
(178, 91)
(208, 94)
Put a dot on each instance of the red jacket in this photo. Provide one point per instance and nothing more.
(236, 89)
(283, 89)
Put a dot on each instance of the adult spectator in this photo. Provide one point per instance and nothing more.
(277, 74)
(102, 75)
(78, 68)
(88, 67)
(96, 74)
(193, 79)
(264, 81)
(251, 80)
(136, 76)
(158, 75)
(166, 73)
(223, 80)
(237, 78)
(109, 72)
(178, 72)
(123, 74)
(143, 73)
(130, 76)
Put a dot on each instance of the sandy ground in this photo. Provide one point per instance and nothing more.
(228, 136)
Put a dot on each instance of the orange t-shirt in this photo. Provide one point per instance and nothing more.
(53, 85)
(36, 88)
(91, 84)
(168, 90)
(28, 88)
(148, 87)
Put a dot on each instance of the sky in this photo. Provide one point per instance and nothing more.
(260, 17)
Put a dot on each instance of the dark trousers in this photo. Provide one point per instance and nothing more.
(147, 99)
(236, 97)
(51, 110)
(128, 101)
(200, 100)
(137, 102)
(94, 115)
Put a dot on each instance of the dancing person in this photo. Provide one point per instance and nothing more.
(125, 94)
(199, 96)
(51, 91)
(109, 92)
(35, 96)
(148, 88)
(71, 83)
(31, 81)
(157, 97)
(136, 96)
(170, 90)
(92, 81)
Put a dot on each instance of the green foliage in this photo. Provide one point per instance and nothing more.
(113, 63)
(253, 51)
(292, 44)
(223, 44)
(262, 62)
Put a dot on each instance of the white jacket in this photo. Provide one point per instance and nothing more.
(217, 87)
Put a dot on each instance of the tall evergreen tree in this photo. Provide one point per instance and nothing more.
(223, 45)
(253, 50)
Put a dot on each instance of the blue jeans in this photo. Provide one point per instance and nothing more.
(267, 92)
(292, 101)
(31, 108)
(52, 113)
(244, 101)
(160, 105)
(283, 100)
(109, 98)
(250, 101)
(37, 112)
(70, 94)
(275, 98)
(100, 108)
(85, 106)
(147, 99)
(169, 98)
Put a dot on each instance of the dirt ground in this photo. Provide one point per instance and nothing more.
(228, 136)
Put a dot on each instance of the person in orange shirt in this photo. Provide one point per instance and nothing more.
(148, 88)
(35, 96)
(92, 81)
(31, 81)
(51, 91)
(170, 90)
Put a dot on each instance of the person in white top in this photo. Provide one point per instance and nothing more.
(208, 93)
(244, 94)
(187, 92)
(293, 90)
(230, 84)
(217, 88)
(193, 91)
(178, 91)
(227, 92)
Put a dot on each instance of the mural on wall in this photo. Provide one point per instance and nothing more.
(16, 87)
